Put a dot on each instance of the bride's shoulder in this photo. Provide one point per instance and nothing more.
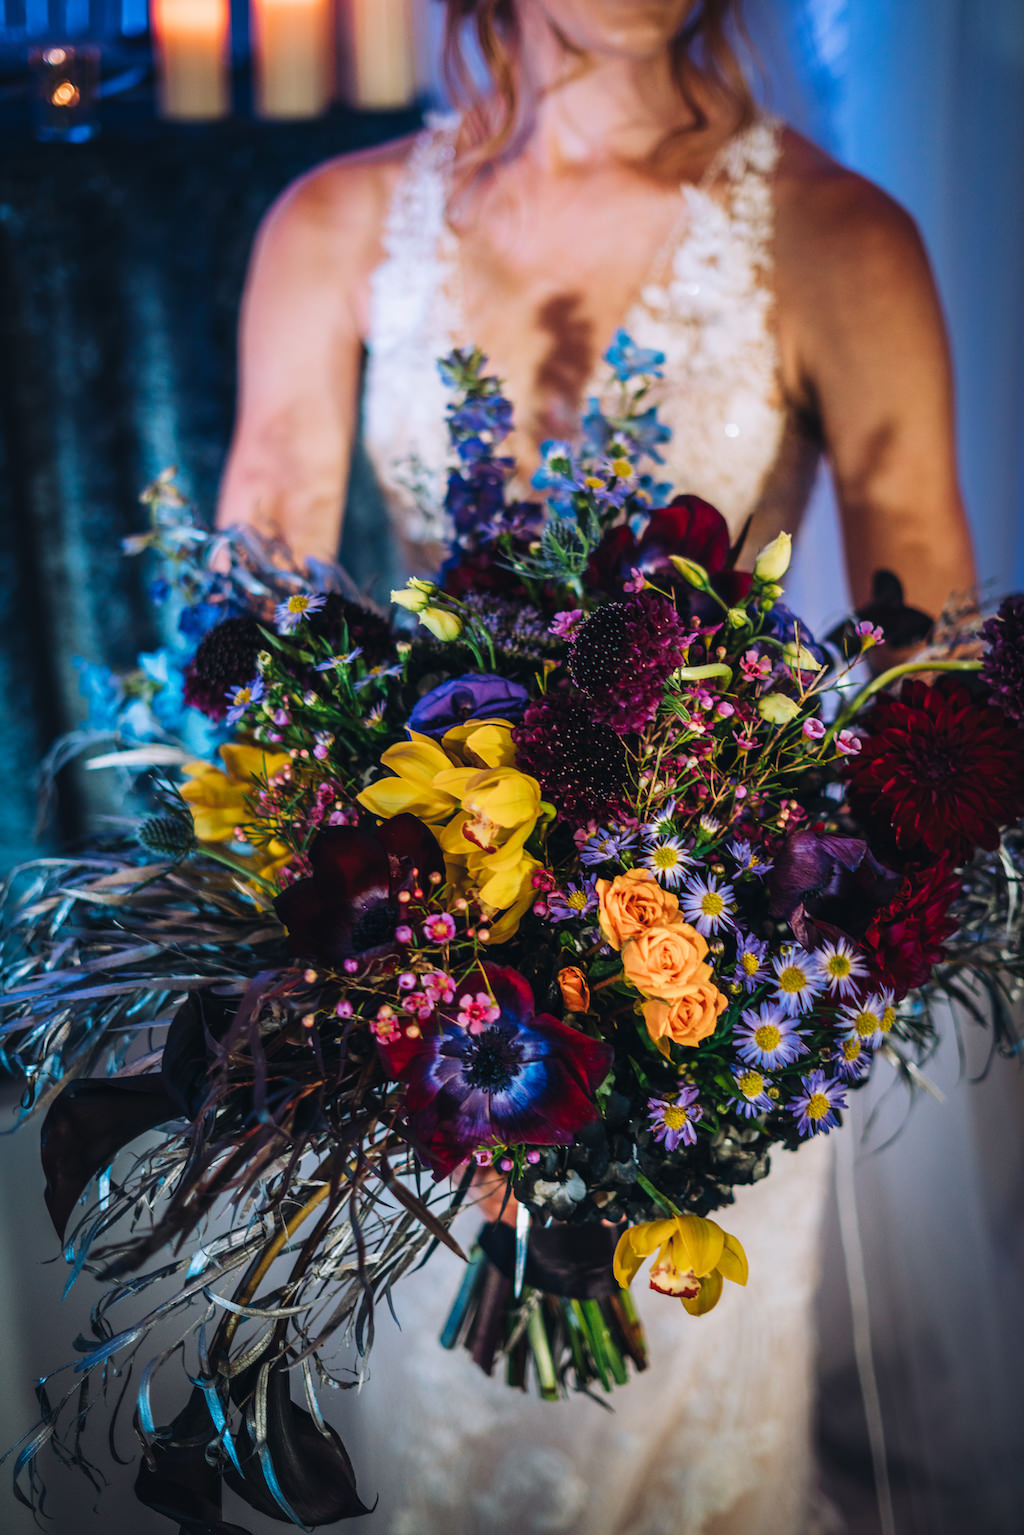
(836, 228)
(335, 213)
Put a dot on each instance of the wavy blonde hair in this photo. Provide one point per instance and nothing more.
(704, 38)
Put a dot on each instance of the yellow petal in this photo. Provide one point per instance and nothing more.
(707, 1297)
(504, 796)
(213, 824)
(696, 1244)
(392, 796)
(504, 884)
(485, 743)
(245, 763)
(637, 1243)
(733, 1262)
(420, 759)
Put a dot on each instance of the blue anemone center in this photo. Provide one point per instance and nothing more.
(491, 1060)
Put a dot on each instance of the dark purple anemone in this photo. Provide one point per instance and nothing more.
(827, 886)
(349, 908)
(524, 1080)
(478, 696)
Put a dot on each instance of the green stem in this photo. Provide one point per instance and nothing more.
(537, 1334)
(883, 680)
(208, 850)
(660, 1199)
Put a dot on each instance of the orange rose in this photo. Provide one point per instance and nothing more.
(632, 902)
(666, 962)
(688, 1019)
(575, 991)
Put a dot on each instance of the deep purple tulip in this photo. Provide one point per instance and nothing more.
(522, 1079)
(349, 908)
(474, 697)
(827, 886)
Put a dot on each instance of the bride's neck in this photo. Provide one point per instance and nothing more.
(583, 110)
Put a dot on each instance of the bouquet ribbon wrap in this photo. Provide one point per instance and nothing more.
(574, 1261)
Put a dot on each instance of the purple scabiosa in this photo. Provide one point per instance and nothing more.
(241, 699)
(623, 655)
(798, 981)
(290, 613)
(1002, 668)
(751, 1095)
(842, 968)
(815, 1106)
(862, 1020)
(575, 901)
(675, 1120)
(852, 1059)
(707, 903)
(667, 859)
(751, 956)
(226, 658)
(767, 1037)
(581, 766)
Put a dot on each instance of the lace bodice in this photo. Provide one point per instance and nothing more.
(734, 441)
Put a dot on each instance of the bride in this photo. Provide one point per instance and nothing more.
(616, 175)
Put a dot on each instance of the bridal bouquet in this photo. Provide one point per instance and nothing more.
(594, 877)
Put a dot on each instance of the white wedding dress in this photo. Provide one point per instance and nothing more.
(714, 1439)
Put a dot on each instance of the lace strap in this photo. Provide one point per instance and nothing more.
(416, 218)
(747, 164)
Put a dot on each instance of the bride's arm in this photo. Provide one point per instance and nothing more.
(300, 346)
(868, 353)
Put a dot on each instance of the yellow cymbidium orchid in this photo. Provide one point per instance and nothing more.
(219, 799)
(486, 808)
(694, 1257)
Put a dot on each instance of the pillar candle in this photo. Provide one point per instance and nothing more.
(294, 57)
(380, 45)
(192, 39)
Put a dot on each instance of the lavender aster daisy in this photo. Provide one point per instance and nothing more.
(751, 953)
(751, 1097)
(675, 1120)
(815, 1107)
(708, 904)
(766, 1037)
(666, 859)
(798, 980)
(852, 1059)
(241, 699)
(577, 900)
(862, 1020)
(288, 615)
(601, 845)
(841, 967)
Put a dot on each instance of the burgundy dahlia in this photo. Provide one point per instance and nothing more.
(939, 773)
(622, 656)
(348, 907)
(1003, 666)
(520, 1078)
(904, 941)
(580, 765)
(226, 659)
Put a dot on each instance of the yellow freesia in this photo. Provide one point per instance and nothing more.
(485, 808)
(219, 799)
(694, 1256)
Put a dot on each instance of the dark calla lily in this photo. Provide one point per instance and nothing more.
(302, 1469)
(688, 526)
(827, 886)
(87, 1126)
(178, 1481)
(902, 625)
(517, 1078)
(480, 695)
(349, 908)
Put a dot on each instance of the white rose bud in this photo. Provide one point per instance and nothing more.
(773, 561)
